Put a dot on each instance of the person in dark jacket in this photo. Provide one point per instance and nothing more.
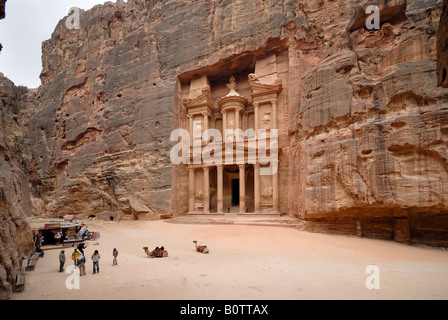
(81, 247)
(61, 261)
(115, 254)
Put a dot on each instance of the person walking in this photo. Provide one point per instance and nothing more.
(61, 261)
(81, 247)
(82, 265)
(75, 256)
(96, 261)
(58, 237)
(115, 254)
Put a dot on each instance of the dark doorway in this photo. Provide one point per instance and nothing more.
(235, 192)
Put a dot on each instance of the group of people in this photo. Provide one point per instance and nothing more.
(79, 259)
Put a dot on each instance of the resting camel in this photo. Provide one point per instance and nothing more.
(156, 253)
(201, 248)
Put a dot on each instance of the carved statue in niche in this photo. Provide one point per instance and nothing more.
(267, 192)
(212, 189)
(266, 120)
(251, 123)
(199, 195)
(197, 131)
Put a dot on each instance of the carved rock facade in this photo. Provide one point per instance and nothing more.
(362, 123)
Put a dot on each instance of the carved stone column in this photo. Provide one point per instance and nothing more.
(257, 188)
(190, 127)
(237, 119)
(256, 119)
(220, 188)
(275, 194)
(274, 114)
(205, 126)
(224, 123)
(242, 188)
(206, 189)
(190, 190)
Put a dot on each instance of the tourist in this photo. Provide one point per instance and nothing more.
(58, 237)
(81, 247)
(115, 254)
(38, 249)
(82, 265)
(75, 256)
(61, 261)
(96, 261)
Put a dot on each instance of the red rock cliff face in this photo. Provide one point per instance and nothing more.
(15, 197)
(367, 123)
(370, 146)
(100, 138)
(442, 48)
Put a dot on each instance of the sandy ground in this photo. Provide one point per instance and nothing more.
(245, 262)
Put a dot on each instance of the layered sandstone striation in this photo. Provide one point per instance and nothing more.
(364, 146)
(371, 146)
(15, 196)
(442, 48)
(100, 137)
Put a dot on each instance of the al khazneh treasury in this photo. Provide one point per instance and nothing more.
(254, 103)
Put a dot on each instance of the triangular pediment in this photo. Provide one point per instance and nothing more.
(202, 100)
(260, 89)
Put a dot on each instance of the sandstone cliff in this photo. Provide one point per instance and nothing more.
(15, 197)
(100, 137)
(367, 125)
(370, 147)
(442, 47)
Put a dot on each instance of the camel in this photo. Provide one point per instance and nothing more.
(201, 248)
(156, 253)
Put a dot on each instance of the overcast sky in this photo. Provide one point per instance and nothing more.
(27, 24)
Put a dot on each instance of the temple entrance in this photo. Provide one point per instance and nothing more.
(235, 192)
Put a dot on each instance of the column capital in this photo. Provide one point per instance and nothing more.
(206, 168)
(241, 166)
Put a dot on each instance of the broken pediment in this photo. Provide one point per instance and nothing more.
(202, 102)
(263, 89)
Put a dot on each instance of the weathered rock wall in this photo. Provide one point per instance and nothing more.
(442, 48)
(15, 197)
(100, 137)
(371, 141)
(366, 120)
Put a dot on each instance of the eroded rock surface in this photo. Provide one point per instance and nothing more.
(366, 124)
(15, 197)
(371, 138)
